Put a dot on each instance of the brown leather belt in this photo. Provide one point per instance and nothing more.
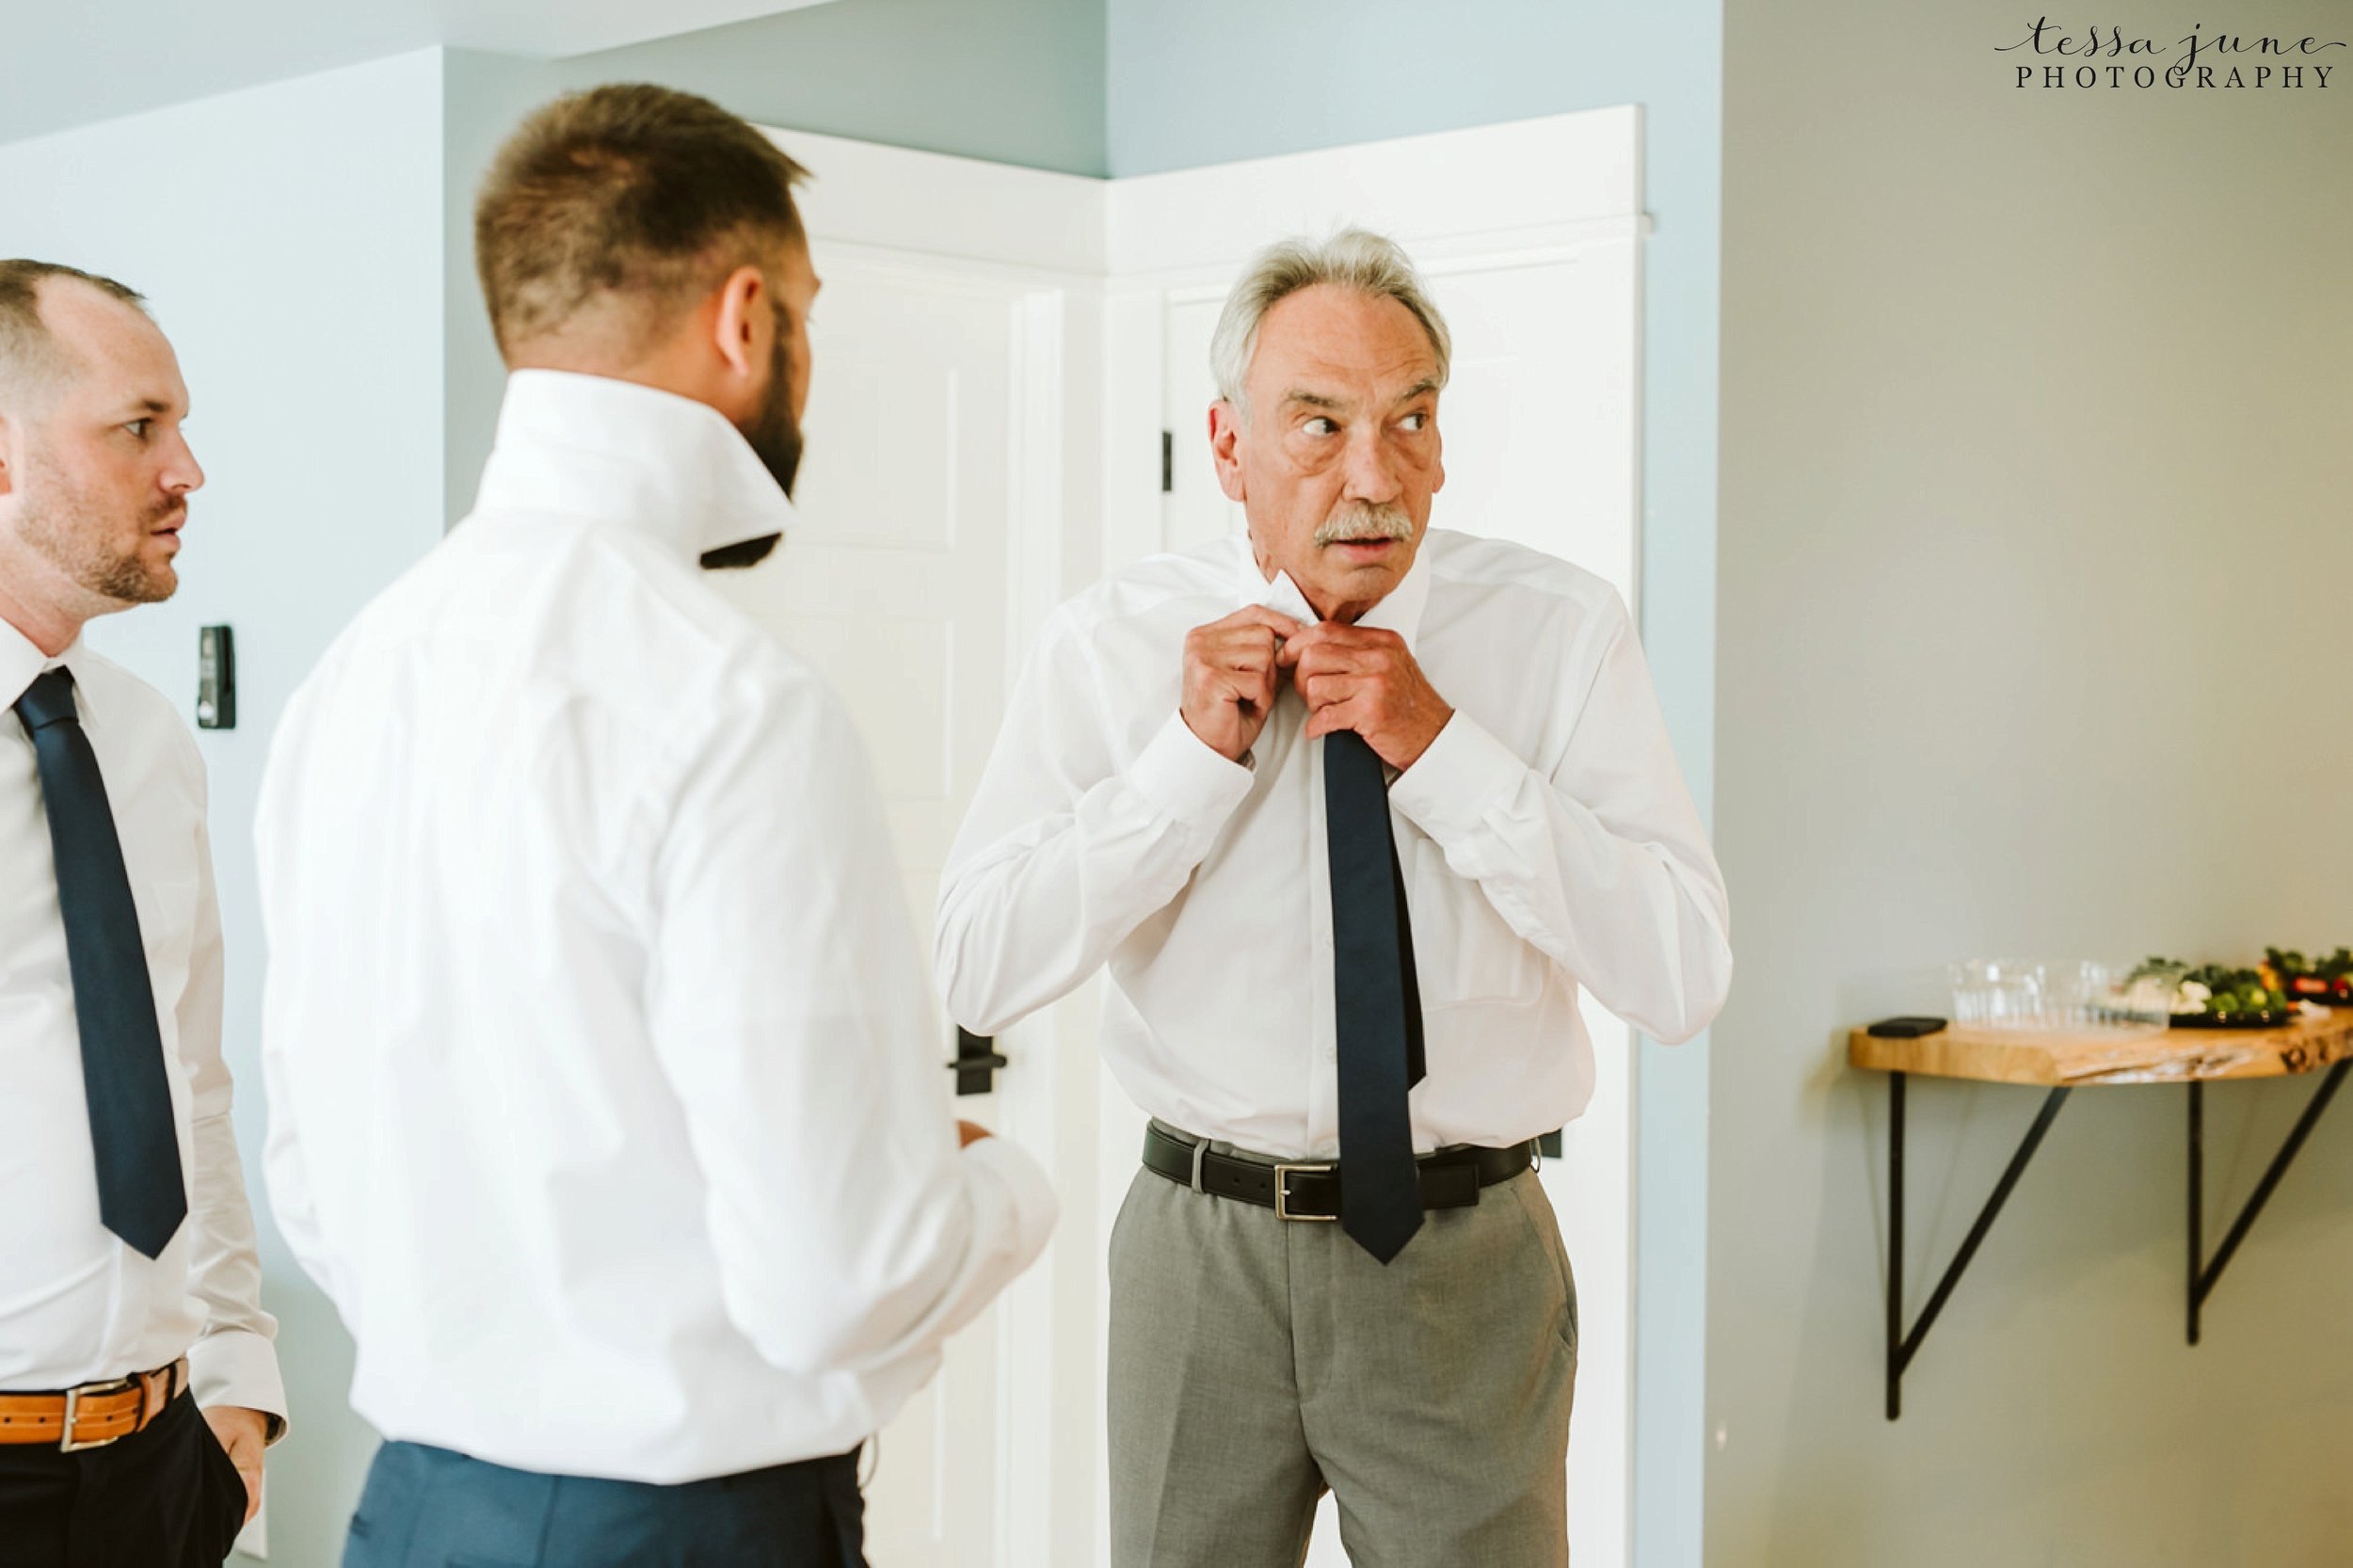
(95, 1413)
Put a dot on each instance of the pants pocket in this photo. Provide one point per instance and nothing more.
(845, 1509)
(384, 1499)
(1115, 1245)
(1545, 1229)
(221, 1494)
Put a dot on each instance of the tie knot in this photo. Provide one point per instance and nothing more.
(48, 700)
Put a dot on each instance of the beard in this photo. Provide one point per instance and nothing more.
(774, 438)
(1354, 520)
(72, 534)
(773, 434)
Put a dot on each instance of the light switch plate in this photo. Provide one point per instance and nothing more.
(216, 678)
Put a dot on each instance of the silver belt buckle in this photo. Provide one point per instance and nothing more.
(73, 1409)
(1282, 1194)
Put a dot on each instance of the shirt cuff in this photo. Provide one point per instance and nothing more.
(1035, 1207)
(237, 1367)
(1451, 786)
(1186, 778)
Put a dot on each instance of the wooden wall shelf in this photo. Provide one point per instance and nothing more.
(2061, 1064)
(2176, 1056)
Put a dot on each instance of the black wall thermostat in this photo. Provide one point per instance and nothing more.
(216, 678)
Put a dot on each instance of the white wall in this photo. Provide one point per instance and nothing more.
(289, 239)
(2038, 431)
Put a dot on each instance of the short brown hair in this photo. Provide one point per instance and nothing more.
(638, 195)
(28, 352)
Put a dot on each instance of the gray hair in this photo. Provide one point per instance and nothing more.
(30, 356)
(1354, 259)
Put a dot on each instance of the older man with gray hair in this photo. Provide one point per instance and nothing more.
(1352, 810)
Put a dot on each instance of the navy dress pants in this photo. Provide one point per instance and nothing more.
(430, 1507)
(166, 1497)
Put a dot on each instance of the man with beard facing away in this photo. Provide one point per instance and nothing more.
(601, 1066)
(1353, 808)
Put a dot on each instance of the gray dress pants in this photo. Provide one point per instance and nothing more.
(1255, 1361)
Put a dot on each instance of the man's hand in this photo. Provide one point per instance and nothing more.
(1361, 679)
(244, 1433)
(1231, 677)
(969, 1133)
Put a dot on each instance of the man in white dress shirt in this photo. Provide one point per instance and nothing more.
(1352, 810)
(130, 1293)
(604, 1070)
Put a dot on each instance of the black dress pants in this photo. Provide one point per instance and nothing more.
(166, 1497)
(430, 1507)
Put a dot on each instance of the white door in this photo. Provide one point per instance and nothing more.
(929, 506)
(1539, 289)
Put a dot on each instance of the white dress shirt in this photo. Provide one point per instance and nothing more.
(1546, 840)
(606, 1099)
(77, 1304)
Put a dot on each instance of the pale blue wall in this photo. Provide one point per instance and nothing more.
(289, 239)
(484, 98)
(1214, 80)
(2038, 435)
(1013, 81)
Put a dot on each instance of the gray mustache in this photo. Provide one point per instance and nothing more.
(1359, 520)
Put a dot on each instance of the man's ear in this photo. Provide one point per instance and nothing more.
(742, 315)
(1226, 448)
(9, 430)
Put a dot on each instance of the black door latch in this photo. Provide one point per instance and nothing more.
(976, 1064)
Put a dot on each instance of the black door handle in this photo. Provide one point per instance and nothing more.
(976, 1064)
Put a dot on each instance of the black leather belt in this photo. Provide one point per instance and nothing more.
(1451, 1179)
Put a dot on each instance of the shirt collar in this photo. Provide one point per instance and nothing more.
(21, 661)
(620, 452)
(1399, 611)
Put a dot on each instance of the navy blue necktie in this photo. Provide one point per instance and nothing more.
(140, 1196)
(1377, 1002)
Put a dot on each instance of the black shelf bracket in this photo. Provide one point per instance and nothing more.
(2204, 1273)
(1903, 1346)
